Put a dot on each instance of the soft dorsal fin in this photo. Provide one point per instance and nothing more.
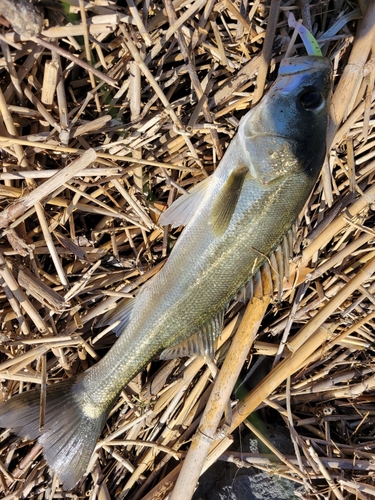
(203, 343)
(183, 209)
(226, 201)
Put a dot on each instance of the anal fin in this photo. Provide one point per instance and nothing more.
(203, 343)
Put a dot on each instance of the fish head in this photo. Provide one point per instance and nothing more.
(286, 131)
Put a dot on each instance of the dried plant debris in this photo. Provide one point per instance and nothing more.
(108, 112)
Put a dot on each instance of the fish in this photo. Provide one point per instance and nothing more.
(234, 222)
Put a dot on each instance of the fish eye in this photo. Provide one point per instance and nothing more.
(311, 99)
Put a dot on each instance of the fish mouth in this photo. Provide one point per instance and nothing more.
(256, 135)
(294, 71)
(279, 136)
(294, 65)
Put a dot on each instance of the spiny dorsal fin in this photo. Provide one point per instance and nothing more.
(183, 209)
(226, 201)
(202, 343)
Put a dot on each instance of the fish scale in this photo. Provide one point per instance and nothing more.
(235, 224)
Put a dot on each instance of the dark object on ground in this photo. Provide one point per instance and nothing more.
(24, 16)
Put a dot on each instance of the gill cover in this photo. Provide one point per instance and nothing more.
(280, 134)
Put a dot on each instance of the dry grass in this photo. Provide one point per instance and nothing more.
(90, 159)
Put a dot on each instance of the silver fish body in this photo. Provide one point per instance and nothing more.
(241, 216)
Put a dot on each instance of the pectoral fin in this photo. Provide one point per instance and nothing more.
(182, 210)
(203, 343)
(226, 201)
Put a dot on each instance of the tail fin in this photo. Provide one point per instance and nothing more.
(70, 434)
